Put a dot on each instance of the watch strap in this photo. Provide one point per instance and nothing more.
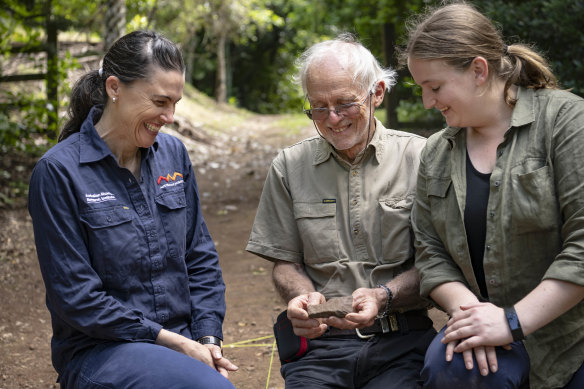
(210, 340)
(514, 325)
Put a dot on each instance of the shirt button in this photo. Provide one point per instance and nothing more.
(497, 183)
(354, 201)
(492, 281)
(488, 247)
(355, 172)
(109, 219)
(491, 214)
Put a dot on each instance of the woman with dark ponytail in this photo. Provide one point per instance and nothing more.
(499, 212)
(132, 277)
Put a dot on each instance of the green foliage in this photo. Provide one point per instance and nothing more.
(553, 26)
(29, 122)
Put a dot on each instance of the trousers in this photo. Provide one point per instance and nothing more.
(385, 361)
(139, 365)
(512, 373)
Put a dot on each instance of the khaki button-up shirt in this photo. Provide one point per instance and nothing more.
(348, 224)
(535, 220)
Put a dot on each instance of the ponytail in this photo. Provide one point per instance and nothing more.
(88, 91)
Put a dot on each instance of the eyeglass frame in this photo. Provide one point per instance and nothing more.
(308, 112)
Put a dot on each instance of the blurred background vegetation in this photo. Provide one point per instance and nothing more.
(240, 52)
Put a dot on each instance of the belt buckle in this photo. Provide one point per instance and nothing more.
(393, 322)
(360, 335)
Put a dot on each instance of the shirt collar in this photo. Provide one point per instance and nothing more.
(324, 150)
(524, 111)
(92, 148)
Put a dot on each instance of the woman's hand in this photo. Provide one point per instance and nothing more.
(222, 364)
(208, 354)
(485, 355)
(478, 328)
(478, 324)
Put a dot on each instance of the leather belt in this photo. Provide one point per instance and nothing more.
(392, 323)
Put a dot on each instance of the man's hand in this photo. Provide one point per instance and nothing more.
(366, 303)
(298, 315)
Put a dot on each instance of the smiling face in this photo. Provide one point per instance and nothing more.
(328, 85)
(144, 106)
(451, 91)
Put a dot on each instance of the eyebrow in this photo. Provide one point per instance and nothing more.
(165, 97)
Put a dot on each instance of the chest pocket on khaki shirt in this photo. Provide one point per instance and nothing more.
(395, 229)
(317, 226)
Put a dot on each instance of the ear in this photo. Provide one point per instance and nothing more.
(112, 86)
(480, 70)
(378, 93)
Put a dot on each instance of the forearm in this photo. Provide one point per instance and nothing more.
(451, 295)
(549, 300)
(291, 280)
(405, 289)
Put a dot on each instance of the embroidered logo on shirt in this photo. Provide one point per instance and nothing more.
(99, 197)
(169, 177)
(329, 201)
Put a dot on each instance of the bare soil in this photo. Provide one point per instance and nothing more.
(231, 169)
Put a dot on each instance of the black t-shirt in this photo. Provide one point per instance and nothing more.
(475, 219)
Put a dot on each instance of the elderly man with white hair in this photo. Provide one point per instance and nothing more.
(334, 218)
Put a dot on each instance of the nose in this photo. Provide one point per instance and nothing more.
(428, 100)
(168, 115)
(333, 117)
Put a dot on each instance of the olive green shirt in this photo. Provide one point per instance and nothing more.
(535, 220)
(348, 224)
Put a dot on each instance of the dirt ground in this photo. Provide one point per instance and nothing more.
(230, 169)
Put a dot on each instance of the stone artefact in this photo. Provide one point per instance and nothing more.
(336, 306)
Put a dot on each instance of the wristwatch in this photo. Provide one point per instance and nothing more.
(514, 325)
(211, 340)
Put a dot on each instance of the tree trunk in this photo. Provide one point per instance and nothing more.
(220, 80)
(389, 54)
(115, 22)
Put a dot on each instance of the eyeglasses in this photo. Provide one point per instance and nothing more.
(344, 110)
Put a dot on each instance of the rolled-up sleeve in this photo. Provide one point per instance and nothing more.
(568, 166)
(433, 261)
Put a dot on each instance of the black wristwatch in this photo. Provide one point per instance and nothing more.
(211, 340)
(514, 325)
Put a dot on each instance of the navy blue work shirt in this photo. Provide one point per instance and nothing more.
(122, 258)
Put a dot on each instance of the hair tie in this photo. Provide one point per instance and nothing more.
(100, 71)
(505, 49)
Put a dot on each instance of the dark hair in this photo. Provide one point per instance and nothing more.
(129, 59)
(458, 33)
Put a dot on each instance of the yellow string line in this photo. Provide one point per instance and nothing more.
(248, 341)
(244, 343)
(271, 361)
(248, 345)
